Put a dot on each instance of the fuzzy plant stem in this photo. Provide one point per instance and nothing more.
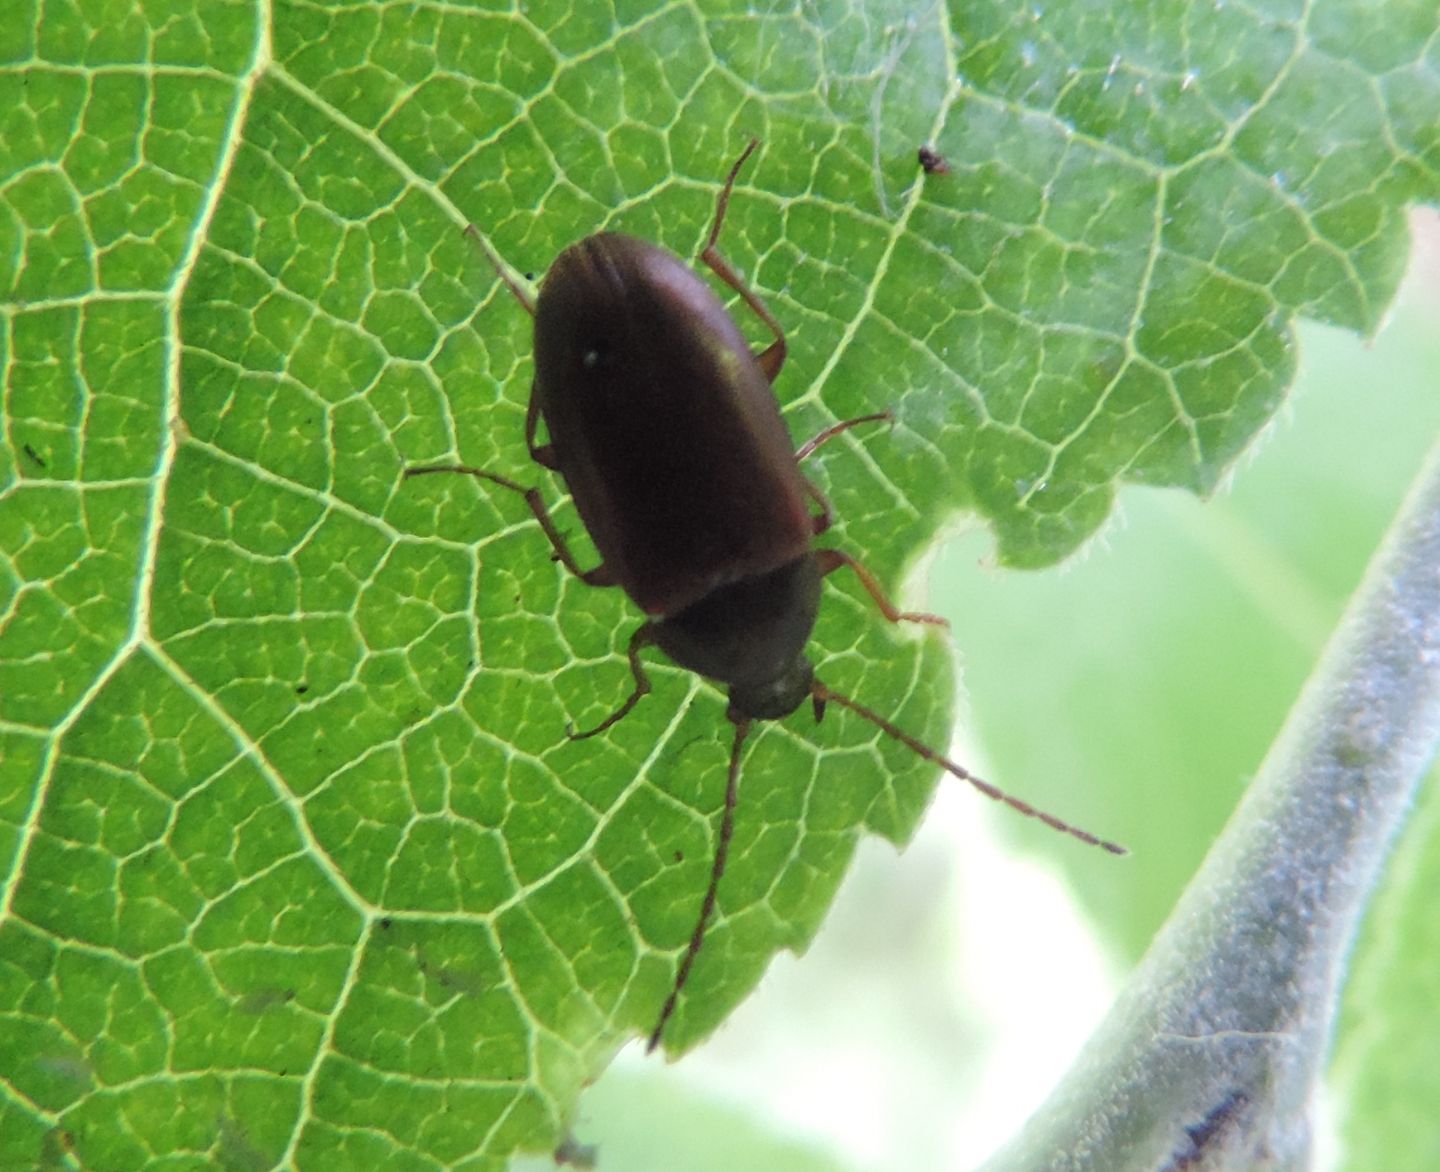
(1212, 1054)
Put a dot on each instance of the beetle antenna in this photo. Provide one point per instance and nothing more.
(823, 695)
(707, 908)
(521, 294)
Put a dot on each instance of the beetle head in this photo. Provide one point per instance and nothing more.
(775, 698)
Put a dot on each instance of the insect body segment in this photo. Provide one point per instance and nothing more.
(666, 430)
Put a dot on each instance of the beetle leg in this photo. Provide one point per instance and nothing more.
(717, 869)
(643, 636)
(832, 559)
(807, 449)
(773, 357)
(599, 576)
(542, 454)
(822, 520)
(826, 517)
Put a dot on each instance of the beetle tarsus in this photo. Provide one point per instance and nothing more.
(723, 202)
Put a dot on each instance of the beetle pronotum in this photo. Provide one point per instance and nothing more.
(664, 425)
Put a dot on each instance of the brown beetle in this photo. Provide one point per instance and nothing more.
(667, 432)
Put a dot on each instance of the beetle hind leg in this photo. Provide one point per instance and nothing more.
(822, 520)
(542, 454)
(772, 358)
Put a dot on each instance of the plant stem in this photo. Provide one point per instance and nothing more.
(1210, 1057)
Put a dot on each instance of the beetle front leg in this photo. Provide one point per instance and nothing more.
(599, 576)
(644, 635)
(832, 559)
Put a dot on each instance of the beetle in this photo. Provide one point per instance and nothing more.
(665, 427)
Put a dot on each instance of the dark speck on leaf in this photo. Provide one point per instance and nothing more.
(933, 161)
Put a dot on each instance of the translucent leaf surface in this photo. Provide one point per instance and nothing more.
(298, 867)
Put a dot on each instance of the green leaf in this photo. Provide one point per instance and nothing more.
(298, 867)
